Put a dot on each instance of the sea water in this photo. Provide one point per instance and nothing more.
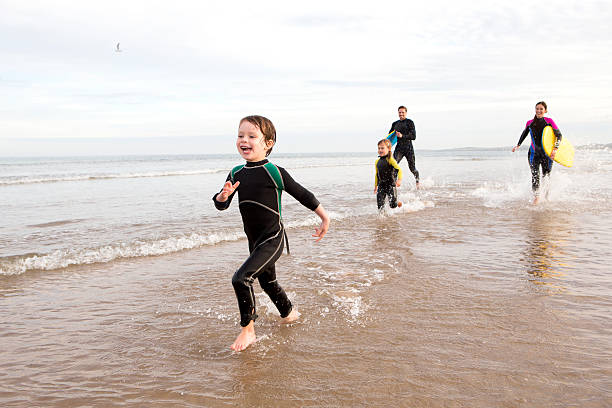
(115, 284)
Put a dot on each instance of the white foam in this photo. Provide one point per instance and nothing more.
(427, 182)
(498, 194)
(67, 257)
(569, 188)
(353, 306)
(412, 201)
(313, 219)
(83, 177)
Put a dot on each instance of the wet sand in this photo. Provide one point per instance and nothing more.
(416, 332)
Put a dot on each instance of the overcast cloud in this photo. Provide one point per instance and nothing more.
(330, 75)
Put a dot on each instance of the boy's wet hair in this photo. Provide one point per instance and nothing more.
(402, 107)
(266, 127)
(387, 143)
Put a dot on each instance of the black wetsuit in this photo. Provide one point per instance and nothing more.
(387, 173)
(536, 155)
(259, 202)
(404, 144)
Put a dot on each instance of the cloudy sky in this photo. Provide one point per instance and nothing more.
(330, 74)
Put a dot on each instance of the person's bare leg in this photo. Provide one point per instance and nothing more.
(245, 338)
(291, 317)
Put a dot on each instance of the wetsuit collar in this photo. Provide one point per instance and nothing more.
(257, 163)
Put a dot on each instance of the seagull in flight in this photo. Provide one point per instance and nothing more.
(118, 49)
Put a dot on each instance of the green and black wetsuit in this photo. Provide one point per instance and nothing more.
(259, 197)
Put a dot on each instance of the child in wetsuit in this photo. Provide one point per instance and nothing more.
(536, 155)
(388, 176)
(259, 184)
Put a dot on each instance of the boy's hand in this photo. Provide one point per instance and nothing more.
(398, 183)
(322, 230)
(399, 134)
(375, 189)
(227, 191)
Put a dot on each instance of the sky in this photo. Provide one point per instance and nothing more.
(329, 74)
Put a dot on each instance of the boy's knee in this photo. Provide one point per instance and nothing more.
(239, 279)
(270, 287)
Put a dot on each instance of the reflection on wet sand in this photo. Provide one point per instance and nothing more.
(545, 256)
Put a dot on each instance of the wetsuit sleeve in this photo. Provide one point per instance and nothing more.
(406, 128)
(218, 204)
(556, 130)
(524, 134)
(376, 172)
(396, 166)
(411, 134)
(305, 197)
(392, 127)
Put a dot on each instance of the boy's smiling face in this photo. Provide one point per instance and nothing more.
(251, 144)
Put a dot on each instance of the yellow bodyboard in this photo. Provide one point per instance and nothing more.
(565, 151)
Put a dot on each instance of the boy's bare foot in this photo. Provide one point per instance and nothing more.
(399, 204)
(291, 317)
(418, 185)
(245, 338)
(536, 200)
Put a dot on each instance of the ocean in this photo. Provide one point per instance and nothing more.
(115, 285)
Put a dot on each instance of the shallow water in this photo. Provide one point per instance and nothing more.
(115, 287)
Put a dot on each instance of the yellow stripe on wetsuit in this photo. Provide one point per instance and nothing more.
(393, 163)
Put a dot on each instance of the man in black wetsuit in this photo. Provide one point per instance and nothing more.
(406, 133)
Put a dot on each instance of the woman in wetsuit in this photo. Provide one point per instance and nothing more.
(536, 155)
